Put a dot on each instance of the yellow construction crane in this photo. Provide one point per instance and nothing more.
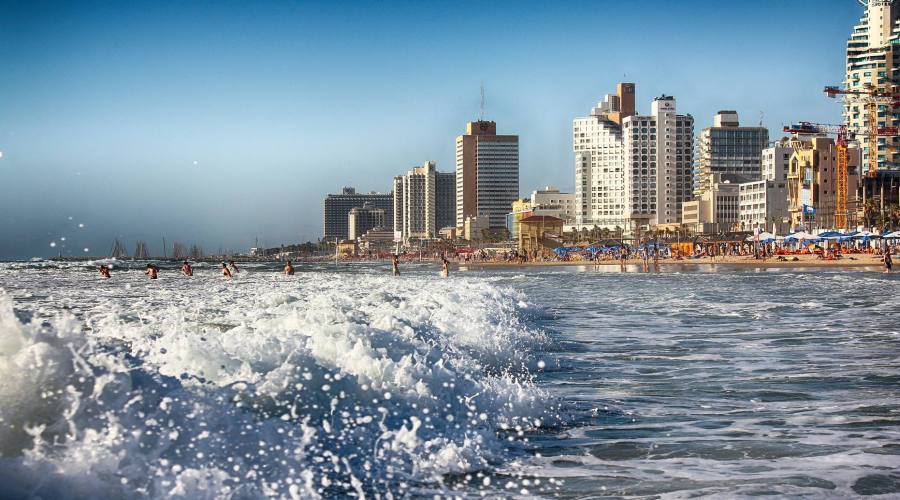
(871, 97)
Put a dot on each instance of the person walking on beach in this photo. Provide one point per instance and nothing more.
(104, 272)
(395, 265)
(152, 271)
(888, 261)
(186, 269)
(225, 271)
(288, 269)
(233, 267)
(445, 267)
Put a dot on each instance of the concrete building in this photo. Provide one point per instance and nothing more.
(599, 169)
(812, 183)
(657, 152)
(424, 201)
(336, 208)
(728, 149)
(362, 219)
(487, 174)
(763, 204)
(715, 210)
(550, 201)
(873, 59)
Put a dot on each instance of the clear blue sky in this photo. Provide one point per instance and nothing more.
(105, 107)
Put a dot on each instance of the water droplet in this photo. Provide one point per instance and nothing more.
(86, 249)
(52, 244)
(81, 224)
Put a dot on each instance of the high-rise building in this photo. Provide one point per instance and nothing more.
(657, 154)
(873, 59)
(487, 174)
(362, 219)
(728, 149)
(336, 208)
(599, 176)
(424, 201)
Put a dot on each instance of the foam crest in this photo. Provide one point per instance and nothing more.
(330, 384)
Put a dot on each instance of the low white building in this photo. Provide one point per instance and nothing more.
(715, 210)
(764, 204)
(550, 201)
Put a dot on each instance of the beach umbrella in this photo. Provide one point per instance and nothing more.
(801, 236)
(866, 235)
(895, 234)
(762, 236)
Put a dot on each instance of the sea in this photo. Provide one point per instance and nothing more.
(344, 381)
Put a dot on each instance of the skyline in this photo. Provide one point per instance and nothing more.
(104, 113)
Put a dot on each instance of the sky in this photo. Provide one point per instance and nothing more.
(222, 123)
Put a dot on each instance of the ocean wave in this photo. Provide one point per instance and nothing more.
(325, 385)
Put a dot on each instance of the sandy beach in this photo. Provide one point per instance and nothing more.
(856, 261)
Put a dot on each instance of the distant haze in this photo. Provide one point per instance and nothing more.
(217, 123)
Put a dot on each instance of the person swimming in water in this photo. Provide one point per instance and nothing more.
(288, 269)
(395, 265)
(186, 269)
(104, 272)
(445, 267)
(233, 267)
(225, 271)
(152, 271)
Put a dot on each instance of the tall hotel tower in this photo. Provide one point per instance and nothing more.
(599, 168)
(487, 174)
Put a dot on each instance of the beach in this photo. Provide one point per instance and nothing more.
(855, 261)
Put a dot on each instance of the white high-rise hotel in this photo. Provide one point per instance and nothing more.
(632, 171)
(599, 179)
(873, 59)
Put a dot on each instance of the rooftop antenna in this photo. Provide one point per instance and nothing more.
(761, 116)
(481, 114)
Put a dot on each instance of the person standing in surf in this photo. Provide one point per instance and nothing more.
(186, 269)
(445, 267)
(288, 269)
(152, 271)
(104, 272)
(395, 265)
(225, 271)
(233, 267)
(888, 261)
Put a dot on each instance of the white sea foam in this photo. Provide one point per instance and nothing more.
(324, 384)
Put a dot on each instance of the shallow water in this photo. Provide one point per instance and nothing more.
(571, 382)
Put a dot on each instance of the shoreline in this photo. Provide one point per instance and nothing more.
(863, 261)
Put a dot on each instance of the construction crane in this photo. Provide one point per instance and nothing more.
(871, 97)
(843, 163)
